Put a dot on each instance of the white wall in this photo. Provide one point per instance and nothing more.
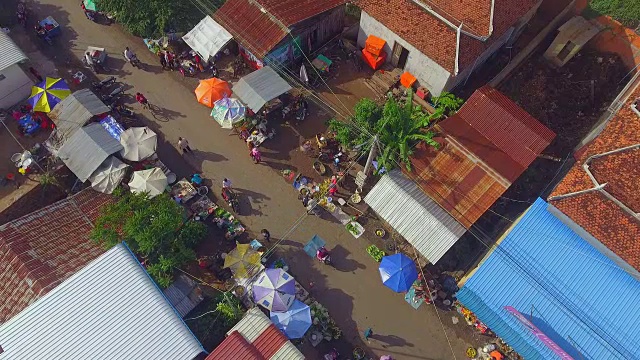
(15, 87)
(428, 72)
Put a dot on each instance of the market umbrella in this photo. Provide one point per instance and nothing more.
(139, 143)
(109, 175)
(275, 290)
(243, 261)
(398, 272)
(294, 322)
(46, 95)
(228, 111)
(90, 5)
(152, 181)
(211, 90)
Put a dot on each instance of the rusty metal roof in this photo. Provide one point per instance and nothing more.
(40, 250)
(236, 347)
(499, 132)
(258, 30)
(457, 180)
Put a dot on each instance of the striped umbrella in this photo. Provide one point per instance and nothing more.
(46, 95)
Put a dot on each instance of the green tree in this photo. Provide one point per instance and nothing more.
(156, 229)
(152, 17)
(400, 129)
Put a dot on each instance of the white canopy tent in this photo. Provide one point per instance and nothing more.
(207, 38)
(152, 181)
(109, 175)
(139, 143)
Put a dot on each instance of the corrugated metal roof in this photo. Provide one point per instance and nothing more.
(258, 330)
(10, 53)
(572, 290)
(457, 180)
(87, 148)
(93, 315)
(260, 87)
(401, 203)
(256, 30)
(235, 347)
(75, 111)
(499, 132)
(252, 324)
(40, 250)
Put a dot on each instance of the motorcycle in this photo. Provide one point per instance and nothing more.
(104, 83)
(302, 109)
(113, 96)
(323, 256)
(134, 61)
(123, 111)
(231, 199)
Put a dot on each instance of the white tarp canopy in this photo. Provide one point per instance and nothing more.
(139, 143)
(152, 181)
(207, 38)
(414, 215)
(109, 175)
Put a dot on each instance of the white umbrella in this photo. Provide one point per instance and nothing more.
(228, 111)
(139, 143)
(152, 181)
(109, 175)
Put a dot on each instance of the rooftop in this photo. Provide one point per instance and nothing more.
(612, 160)
(434, 38)
(41, 250)
(486, 146)
(560, 283)
(92, 315)
(256, 30)
(11, 53)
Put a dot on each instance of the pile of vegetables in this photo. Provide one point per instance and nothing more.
(375, 253)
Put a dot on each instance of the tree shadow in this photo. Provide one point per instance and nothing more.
(340, 260)
(251, 200)
(199, 158)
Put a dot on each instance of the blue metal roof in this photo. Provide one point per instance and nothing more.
(577, 296)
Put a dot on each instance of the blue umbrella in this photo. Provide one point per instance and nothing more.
(294, 322)
(398, 272)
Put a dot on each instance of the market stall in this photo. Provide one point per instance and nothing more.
(207, 38)
(183, 191)
(260, 87)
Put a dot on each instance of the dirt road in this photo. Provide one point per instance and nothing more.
(353, 292)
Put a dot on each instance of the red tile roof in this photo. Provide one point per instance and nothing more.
(434, 38)
(594, 211)
(256, 30)
(40, 250)
(235, 347)
(499, 132)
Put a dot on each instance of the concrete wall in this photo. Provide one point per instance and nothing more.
(428, 72)
(14, 87)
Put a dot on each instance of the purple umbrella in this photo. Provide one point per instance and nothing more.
(46, 95)
(275, 290)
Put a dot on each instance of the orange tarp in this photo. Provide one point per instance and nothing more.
(407, 79)
(211, 90)
(374, 45)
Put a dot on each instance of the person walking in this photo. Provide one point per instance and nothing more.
(368, 332)
(184, 145)
(266, 236)
(163, 60)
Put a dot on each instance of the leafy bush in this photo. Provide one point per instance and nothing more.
(626, 12)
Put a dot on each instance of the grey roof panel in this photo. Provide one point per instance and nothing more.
(75, 111)
(87, 148)
(260, 87)
(10, 53)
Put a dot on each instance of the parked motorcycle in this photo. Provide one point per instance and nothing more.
(113, 96)
(302, 109)
(104, 83)
(123, 111)
(231, 199)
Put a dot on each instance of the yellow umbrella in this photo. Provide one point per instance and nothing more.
(243, 261)
(46, 95)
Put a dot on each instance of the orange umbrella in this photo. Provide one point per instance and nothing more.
(211, 90)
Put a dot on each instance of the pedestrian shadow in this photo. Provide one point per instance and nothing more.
(388, 341)
(339, 257)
